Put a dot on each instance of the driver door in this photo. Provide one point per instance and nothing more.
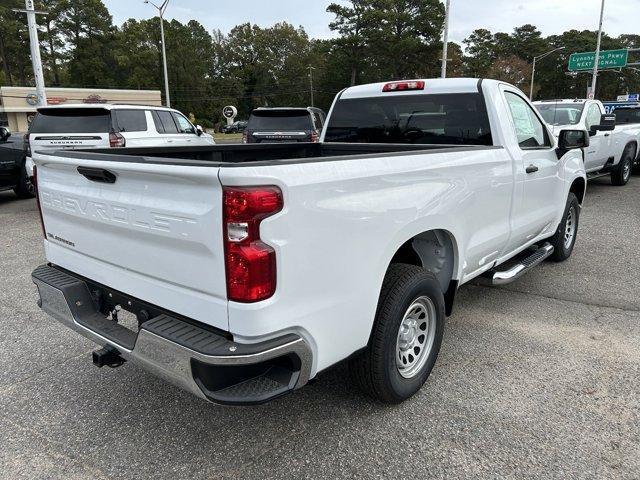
(538, 185)
(597, 153)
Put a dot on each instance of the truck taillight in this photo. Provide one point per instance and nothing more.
(245, 137)
(403, 86)
(27, 145)
(116, 140)
(35, 184)
(315, 138)
(250, 263)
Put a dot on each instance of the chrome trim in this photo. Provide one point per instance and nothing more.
(164, 358)
(515, 272)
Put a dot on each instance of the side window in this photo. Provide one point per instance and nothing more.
(166, 119)
(131, 120)
(184, 125)
(593, 116)
(530, 131)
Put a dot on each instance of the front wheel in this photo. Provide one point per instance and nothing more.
(622, 172)
(564, 239)
(25, 187)
(406, 335)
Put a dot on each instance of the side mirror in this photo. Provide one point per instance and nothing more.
(5, 133)
(607, 123)
(571, 140)
(199, 130)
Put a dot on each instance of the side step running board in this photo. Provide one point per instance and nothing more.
(494, 277)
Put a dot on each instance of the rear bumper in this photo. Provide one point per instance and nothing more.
(183, 352)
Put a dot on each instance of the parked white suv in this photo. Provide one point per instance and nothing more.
(116, 126)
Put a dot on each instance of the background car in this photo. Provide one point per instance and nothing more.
(284, 124)
(13, 174)
(235, 127)
(115, 126)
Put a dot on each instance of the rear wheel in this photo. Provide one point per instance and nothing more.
(622, 172)
(25, 187)
(565, 237)
(406, 335)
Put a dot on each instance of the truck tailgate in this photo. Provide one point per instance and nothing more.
(152, 231)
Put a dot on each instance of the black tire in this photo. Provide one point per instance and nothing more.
(375, 370)
(562, 249)
(25, 187)
(622, 172)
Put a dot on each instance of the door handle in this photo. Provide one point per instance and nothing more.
(607, 134)
(532, 169)
(97, 174)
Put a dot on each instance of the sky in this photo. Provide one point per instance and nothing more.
(550, 16)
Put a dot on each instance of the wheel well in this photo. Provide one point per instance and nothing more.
(434, 251)
(578, 189)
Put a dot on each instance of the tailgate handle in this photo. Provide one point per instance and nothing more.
(97, 174)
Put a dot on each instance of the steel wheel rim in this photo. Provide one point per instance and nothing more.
(31, 188)
(570, 228)
(626, 170)
(416, 336)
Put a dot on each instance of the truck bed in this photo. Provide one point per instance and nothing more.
(259, 154)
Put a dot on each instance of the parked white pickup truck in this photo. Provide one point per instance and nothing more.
(251, 268)
(613, 149)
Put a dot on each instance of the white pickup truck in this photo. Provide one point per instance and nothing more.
(613, 149)
(251, 268)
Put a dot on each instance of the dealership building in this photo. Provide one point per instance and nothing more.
(18, 104)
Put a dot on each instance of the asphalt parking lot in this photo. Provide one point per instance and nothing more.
(537, 380)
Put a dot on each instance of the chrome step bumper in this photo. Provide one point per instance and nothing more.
(496, 277)
(201, 361)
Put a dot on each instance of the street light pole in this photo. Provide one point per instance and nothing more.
(533, 70)
(596, 60)
(445, 40)
(311, 69)
(161, 9)
(36, 60)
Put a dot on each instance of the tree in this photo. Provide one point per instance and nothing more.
(513, 70)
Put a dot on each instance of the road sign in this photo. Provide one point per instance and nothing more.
(608, 59)
(229, 112)
(631, 97)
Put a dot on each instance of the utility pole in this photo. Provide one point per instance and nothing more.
(161, 9)
(596, 62)
(445, 41)
(35, 50)
(311, 69)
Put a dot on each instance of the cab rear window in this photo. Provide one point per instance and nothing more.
(71, 120)
(458, 119)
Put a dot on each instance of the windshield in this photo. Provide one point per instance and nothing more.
(271, 120)
(627, 115)
(561, 113)
(415, 119)
(68, 120)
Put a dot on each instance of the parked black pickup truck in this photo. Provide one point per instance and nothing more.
(13, 174)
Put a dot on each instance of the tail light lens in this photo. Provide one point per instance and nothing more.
(245, 137)
(27, 145)
(116, 140)
(250, 263)
(35, 184)
(315, 138)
